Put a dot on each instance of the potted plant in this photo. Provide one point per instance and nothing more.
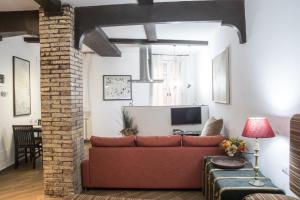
(128, 126)
(234, 146)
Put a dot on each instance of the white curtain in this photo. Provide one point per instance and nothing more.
(174, 71)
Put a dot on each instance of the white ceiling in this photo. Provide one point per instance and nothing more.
(15, 5)
(187, 30)
(174, 31)
(131, 32)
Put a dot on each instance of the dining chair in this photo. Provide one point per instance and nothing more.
(24, 141)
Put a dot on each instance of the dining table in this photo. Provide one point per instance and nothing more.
(37, 129)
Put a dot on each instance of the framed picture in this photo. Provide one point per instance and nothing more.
(220, 78)
(1, 80)
(21, 87)
(117, 87)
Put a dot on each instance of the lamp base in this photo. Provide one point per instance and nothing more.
(257, 183)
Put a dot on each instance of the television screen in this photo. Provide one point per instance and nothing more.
(186, 115)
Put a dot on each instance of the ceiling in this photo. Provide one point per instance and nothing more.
(16, 5)
(174, 31)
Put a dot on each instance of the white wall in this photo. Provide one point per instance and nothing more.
(10, 47)
(106, 115)
(264, 78)
(156, 120)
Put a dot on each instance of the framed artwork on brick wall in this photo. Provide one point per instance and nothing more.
(117, 87)
(21, 87)
(220, 78)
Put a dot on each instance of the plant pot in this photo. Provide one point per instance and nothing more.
(128, 132)
(230, 154)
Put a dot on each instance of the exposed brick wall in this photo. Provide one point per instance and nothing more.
(62, 104)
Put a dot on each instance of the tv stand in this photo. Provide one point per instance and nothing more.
(187, 133)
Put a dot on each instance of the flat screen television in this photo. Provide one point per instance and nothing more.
(186, 115)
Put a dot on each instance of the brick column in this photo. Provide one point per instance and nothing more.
(62, 109)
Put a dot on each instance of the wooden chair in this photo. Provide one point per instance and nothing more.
(24, 141)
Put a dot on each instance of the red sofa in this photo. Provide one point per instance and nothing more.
(153, 162)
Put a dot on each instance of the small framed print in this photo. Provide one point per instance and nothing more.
(117, 87)
(1, 80)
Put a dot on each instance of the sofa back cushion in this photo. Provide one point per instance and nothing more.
(113, 141)
(202, 141)
(158, 141)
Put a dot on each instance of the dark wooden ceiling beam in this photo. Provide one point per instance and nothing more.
(150, 31)
(229, 13)
(32, 39)
(158, 42)
(51, 7)
(138, 41)
(19, 23)
(98, 41)
(145, 2)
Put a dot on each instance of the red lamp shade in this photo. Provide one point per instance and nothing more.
(258, 128)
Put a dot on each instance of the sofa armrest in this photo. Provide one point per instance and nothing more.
(85, 173)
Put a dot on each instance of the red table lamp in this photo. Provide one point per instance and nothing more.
(257, 127)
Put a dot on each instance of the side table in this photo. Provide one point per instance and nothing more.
(232, 184)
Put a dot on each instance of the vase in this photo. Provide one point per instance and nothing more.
(128, 132)
(230, 154)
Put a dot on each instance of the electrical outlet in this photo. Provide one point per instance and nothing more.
(285, 169)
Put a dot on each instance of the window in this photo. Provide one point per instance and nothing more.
(174, 71)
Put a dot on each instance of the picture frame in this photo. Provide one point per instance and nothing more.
(117, 87)
(21, 87)
(221, 78)
(2, 78)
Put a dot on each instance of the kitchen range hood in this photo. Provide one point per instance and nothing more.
(146, 66)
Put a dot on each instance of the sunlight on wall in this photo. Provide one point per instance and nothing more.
(264, 79)
(281, 95)
(279, 86)
(276, 151)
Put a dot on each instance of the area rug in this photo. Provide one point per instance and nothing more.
(93, 197)
(149, 194)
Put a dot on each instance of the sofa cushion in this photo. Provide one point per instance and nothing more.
(113, 141)
(202, 141)
(212, 127)
(158, 141)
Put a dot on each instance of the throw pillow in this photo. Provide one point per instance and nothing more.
(212, 127)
